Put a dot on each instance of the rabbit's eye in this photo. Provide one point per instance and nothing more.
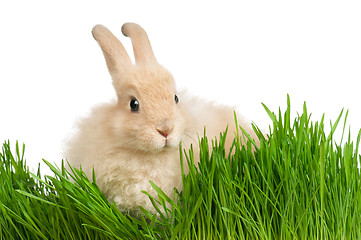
(134, 105)
(176, 99)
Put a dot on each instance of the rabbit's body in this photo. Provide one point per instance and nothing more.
(135, 140)
(212, 117)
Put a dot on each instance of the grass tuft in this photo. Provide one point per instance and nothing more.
(298, 183)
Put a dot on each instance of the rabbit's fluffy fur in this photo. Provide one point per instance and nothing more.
(129, 147)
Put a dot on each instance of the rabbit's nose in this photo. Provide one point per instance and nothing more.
(164, 128)
(164, 133)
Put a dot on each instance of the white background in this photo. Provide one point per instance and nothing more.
(240, 53)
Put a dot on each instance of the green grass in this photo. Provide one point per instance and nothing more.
(298, 184)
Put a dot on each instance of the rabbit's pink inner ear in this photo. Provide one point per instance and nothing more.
(143, 52)
(115, 55)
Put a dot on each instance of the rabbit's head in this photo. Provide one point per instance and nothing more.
(147, 116)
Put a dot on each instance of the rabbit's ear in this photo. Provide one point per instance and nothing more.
(115, 55)
(143, 52)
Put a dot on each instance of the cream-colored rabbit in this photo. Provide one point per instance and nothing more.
(136, 139)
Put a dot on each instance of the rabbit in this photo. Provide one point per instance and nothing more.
(136, 138)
